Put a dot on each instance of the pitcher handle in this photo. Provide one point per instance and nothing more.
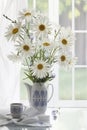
(51, 92)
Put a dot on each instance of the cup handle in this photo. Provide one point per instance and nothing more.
(51, 92)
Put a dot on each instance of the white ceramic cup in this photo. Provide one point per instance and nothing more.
(16, 110)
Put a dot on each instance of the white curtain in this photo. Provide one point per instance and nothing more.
(9, 72)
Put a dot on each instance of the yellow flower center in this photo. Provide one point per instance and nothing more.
(42, 27)
(63, 58)
(64, 41)
(40, 66)
(26, 47)
(15, 30)
(27, 14)
(46, 44)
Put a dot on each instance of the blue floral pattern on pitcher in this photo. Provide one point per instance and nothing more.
(40, 98)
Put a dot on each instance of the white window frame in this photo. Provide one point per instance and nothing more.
(74, 103)
(53, 10)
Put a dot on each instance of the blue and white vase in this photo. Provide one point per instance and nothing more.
(38, 96)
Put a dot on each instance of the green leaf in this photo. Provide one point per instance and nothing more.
(28, 76)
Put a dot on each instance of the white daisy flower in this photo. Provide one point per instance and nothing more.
(25, 14)
(41, 26)
(13, 31)
(40, 69)
(40, 43)
(63, 58)
(71, 62)
(66, 38)
(15, 58)
(25, 48)
(47, 44)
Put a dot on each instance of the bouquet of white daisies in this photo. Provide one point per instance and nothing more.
(39, 44)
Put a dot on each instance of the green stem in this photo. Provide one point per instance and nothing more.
(27, 63)
(9, 19)
(56, 33)
(21, 37)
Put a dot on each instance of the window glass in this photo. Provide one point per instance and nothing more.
(81, 48)
(65, 84)
(81, 83)
(65, 12)
(30, 3)
(80, 14)
(42, 5)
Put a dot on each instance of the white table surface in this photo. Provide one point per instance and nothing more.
(53, 122)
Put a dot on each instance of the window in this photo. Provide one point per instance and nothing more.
(71, 87)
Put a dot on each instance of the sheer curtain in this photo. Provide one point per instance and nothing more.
(9, 72)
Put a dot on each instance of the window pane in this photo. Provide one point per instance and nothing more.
(65, 84)
(81, 83)
(81, 14)
(23, 90)
(81, 48)
(65, 12)
(30, 3)
(42, 5)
